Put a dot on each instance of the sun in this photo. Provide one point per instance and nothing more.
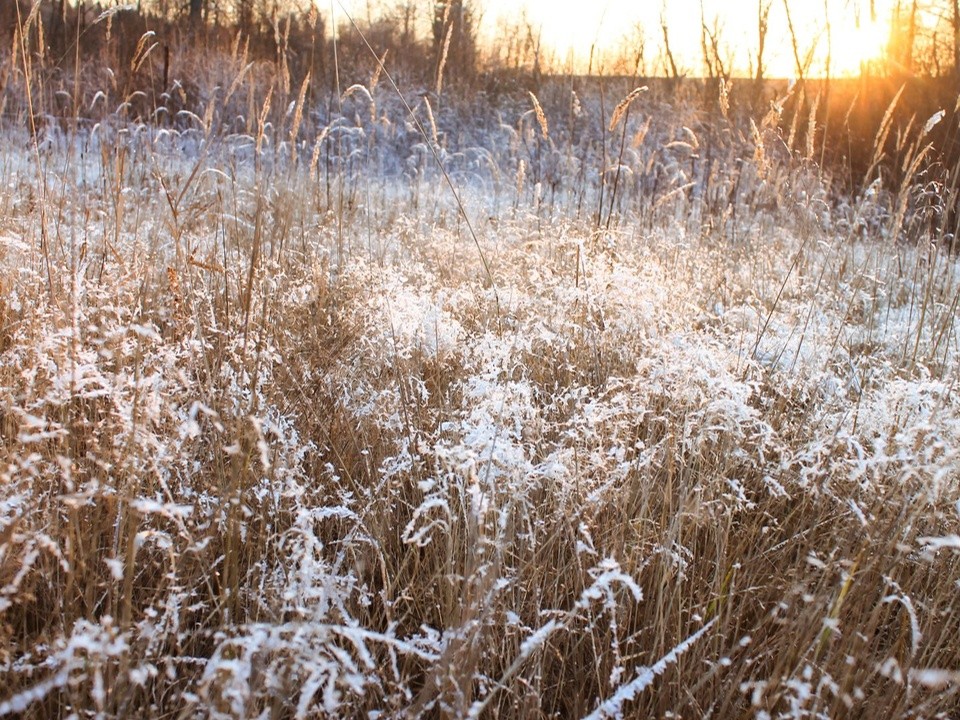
(856, 46)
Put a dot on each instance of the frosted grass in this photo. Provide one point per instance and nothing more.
(275, 445)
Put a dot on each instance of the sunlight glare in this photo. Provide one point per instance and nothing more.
(576, 35)
(857, 46)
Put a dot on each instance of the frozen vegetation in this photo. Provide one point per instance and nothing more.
(629, 421)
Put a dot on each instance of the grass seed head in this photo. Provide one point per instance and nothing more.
(620, 110)
(541, 118)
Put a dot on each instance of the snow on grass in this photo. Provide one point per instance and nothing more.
(275, 443)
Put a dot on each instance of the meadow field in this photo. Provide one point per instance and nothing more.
(582, 403)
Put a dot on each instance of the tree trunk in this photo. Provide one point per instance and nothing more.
(956, 38)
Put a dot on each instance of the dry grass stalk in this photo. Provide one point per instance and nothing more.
(208, 114)
(317, 146)
(378, 71)
(811, 138)
(30, 19)
(240, 76)
(262, 122)
(443, 59)
(143, 50)
(41, 43)
(282, 52)
(883, 133)
(434, 136)
(624, 105)
(541, 118)
(759, 154)
(298, 117)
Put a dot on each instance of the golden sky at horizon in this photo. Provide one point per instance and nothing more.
(569, 28)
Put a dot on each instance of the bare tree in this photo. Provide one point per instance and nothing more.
(717, 68)
(903, 38)
(707, 62)
(668, 53)
(455, 38)
(801, 61)
(630, 59)
(955, 23)
(406, 16)
(763, 25)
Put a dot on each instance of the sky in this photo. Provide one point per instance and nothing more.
(570, 28)
(574, 26)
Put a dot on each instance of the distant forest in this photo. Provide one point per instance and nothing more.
(85, 60)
